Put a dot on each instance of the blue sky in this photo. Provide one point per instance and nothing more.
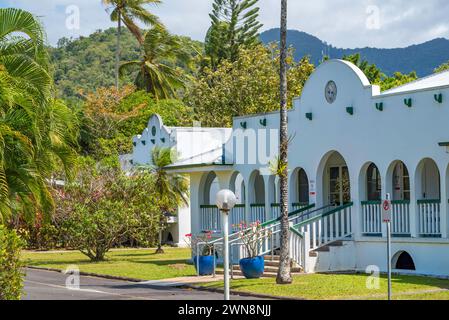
(343, 23)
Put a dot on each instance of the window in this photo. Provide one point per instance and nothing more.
(303, 187)
(374, 183)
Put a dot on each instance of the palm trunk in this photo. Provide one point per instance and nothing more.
(284, 274)
(159, 249)
(117, 54)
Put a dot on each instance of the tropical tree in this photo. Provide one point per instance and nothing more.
(129, 12)
(159, 72)
(377, 77)
(234, 24)
(442, 67)
(284, 272)
(171, 188)
(372, 72)
(250, 85)
(37, 133)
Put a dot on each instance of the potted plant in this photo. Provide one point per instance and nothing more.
(253, 265)
(203, 253)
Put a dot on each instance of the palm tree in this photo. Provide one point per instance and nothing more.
(129, 12)
(37, 133)
(284, 274)
(159, 71)
(171, 188)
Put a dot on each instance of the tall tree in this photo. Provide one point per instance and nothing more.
(250, 85)
(284, 272)
(170, 188)
(234, 24)
(129, 12)
(37, 133)
(159, 71)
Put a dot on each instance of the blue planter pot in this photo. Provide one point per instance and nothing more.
(204, 265)
(252, 268)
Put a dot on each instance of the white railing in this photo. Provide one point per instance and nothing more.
(371, 218)
(237, 216)
(257, 213)
(298, 205)
(210, 218)
(429, 217)
(332, 225)
(275, 211)
(400, 220)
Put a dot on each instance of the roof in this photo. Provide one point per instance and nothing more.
(433, 81)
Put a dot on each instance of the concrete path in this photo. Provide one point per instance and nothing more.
(49, 285)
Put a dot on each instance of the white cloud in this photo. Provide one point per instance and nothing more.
(339, 22)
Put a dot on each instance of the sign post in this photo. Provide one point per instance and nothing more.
(386, 217)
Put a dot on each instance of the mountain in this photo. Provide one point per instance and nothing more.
(422, 58)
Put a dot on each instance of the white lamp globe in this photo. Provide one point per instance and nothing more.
(226, 200)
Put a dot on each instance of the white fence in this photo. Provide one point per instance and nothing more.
(371, 218)
(429, 217)
(400, 220)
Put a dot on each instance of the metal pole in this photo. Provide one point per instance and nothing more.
(389, 258)
(226, 254)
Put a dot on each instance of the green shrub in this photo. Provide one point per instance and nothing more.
(11, 275)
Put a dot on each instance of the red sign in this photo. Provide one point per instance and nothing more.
(386, 211)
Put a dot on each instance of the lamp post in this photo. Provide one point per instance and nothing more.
(225, 201)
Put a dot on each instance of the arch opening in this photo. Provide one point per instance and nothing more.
(238, 187)
(300, 187)
(373, 183)
(403, 261)
(209, 188)
(428, 180)
(257, 191)
(400, 182)
(336, 186)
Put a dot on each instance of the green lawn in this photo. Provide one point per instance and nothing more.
(338, 286)
(133, 263)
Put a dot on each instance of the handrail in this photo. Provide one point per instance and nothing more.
(376, 202)
(294, 213)
(429, 201)
(326, 214)
(269, 223)
(257, 205)
(297, 204)
(400, 202)
(299, 234)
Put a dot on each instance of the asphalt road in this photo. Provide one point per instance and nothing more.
(49, 285)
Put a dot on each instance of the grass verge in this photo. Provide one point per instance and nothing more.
(344, 286)
(132, 263)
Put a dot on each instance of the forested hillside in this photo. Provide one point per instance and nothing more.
(87, 63)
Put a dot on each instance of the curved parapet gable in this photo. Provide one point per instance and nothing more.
(155, 134)
(348, 81)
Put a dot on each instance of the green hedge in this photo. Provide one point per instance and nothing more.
(11, 275)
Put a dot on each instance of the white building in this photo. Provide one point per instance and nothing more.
(351, 145)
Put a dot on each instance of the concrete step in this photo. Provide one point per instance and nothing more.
(266, 274)
(271, 269)
(270, 263)
(336, 244)
(269, 257)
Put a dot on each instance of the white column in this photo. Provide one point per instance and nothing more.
(356, 211)
(413, 206)
(444, 206)
(268, 196)
(195, 213)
